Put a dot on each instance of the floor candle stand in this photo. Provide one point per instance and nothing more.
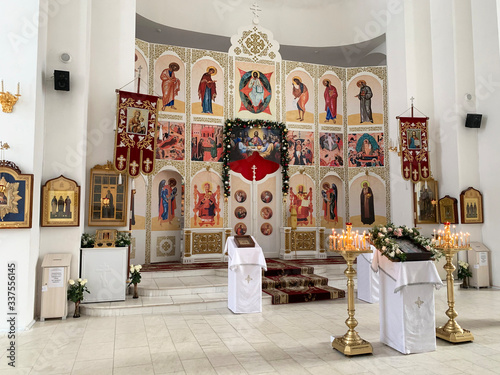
(450, 244)
(350, 245)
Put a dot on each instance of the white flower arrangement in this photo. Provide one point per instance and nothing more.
(383, 238)
(135, 274)
(76, 289)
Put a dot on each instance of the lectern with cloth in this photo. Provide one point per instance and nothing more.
(407, 320)
(245, 277)
(368, 280)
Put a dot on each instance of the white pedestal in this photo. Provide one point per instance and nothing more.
(368, 280)
(244, 277)
(407, 320)
(106, 271)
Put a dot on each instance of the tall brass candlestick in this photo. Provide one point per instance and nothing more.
(451, 331)
(351, 343)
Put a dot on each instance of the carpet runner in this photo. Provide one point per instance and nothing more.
(291, 282)
(178, 266)
(287, 281)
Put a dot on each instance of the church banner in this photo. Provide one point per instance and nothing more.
(414, 143)
(135, 133)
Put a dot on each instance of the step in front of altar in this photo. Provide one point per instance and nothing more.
(193, 290)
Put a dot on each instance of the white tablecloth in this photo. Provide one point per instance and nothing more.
(368, 280)
(407, 320)
(245, 277)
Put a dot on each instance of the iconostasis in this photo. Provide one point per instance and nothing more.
(336, 123)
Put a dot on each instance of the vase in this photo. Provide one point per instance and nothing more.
(136, 294)
(77, 310)
(465, 283)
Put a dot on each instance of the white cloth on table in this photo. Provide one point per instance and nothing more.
(368, 280)
(244, 255)
(245, 266)
(407, 314)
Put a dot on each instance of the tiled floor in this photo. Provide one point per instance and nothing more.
(284, 339)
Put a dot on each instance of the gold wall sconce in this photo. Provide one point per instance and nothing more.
(8, 100)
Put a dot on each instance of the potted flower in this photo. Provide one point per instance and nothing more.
(464, 273)
(87, 240)
(75, 293)
(135, 277)
(123, 239)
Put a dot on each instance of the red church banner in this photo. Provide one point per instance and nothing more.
(414, 138)
(135, 133)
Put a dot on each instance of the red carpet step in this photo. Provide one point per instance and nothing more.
(295, 281)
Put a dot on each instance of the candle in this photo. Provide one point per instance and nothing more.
(18, 88)
(2, 85)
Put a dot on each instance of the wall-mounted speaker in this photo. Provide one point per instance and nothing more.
(473, 120)
(61, 80)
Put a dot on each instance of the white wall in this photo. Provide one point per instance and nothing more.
(23, 56)
(54, 132)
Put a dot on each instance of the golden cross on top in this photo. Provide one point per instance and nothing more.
(411, 100)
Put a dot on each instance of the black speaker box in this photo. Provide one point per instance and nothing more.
(61, 80)
(473, 120)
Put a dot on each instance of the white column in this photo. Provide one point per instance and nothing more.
(485, 28)
(23, 57)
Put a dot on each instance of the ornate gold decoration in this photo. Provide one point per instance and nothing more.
(255, 43)
(288, 241)
(165, 246)
(351, 246)
(449, 245)
(187, 243)
(321, 240)
(302, 241)
(8, 100)
(148, 220)
(133, 247)
(207, 243)
(11, 192)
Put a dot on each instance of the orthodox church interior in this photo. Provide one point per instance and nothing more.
(231, 180)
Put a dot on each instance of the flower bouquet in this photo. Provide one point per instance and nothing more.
(75, 293)
(87, 240)
(464, 273)
(123, 239)
(135, 277)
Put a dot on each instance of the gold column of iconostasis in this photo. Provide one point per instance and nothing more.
(336, 120)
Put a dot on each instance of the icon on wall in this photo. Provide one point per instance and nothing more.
(266, 229)
(240, 212)
(266, 213)
(240, 229)
(266, 196)
(240, 196)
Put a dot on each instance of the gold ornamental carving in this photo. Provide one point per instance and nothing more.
(303, 240)
(187, 243)
(207, 243)
(165, 246)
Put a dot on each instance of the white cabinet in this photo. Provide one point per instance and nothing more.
(106, 271)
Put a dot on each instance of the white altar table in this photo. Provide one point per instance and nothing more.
(245, 277)
(368, 280)
(407, 319)
(106, 270)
